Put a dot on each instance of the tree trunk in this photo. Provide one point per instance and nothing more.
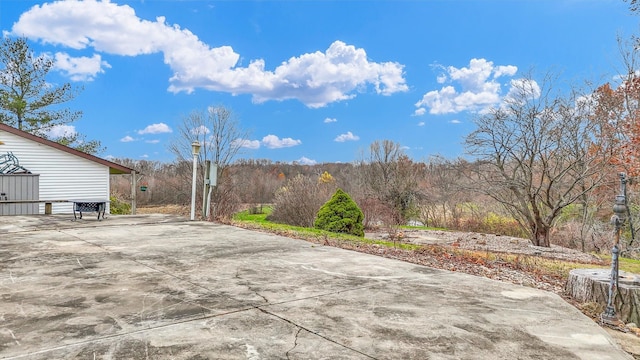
(541, 235)
(592, 285)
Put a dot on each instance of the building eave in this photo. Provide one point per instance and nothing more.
(114, 168)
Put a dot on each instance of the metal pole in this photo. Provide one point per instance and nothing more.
(618, 219)
(609, 315)
(205, 189)
(134, 191)
(213, 181)
(193, 187)
(209, 201)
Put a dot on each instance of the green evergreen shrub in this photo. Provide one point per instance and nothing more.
(341, 215)
(118, 207)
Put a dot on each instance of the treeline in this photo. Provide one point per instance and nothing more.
(390, 188)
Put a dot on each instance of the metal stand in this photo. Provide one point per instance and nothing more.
(620, 211)
(609, 315)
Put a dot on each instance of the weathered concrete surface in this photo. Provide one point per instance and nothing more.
(160, 287)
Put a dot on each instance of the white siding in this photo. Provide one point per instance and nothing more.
(63, 176)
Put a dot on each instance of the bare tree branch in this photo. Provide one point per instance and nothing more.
(538, 154)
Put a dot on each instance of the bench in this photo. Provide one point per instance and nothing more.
(98, 206)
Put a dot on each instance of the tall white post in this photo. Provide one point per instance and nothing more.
(195, 149)
(193, 188)
(134, 189)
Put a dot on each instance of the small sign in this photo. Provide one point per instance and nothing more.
(213, 175)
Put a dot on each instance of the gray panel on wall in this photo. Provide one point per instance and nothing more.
(19, 187)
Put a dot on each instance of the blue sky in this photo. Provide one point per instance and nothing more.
(313, 81)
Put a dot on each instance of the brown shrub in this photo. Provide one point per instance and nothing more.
(574, 235)
(225, 199)
(492, 223)
(376, 213)
(298, 202)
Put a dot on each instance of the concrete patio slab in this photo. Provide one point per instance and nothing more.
(161, 287)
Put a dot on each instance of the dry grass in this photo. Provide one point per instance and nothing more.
(182, 210)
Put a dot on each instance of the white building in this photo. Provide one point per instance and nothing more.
(64, 173)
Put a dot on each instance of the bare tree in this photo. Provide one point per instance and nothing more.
(442, 191)
(222, 138)
(537, 154)
(164, 182)
(617, 104)
(216, 129)
(634, 5)
(391, 177)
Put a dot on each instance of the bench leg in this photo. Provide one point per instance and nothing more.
(47, 208)
(101, 209)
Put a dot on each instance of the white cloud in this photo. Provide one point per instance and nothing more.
(440, 101)
(305, 161)
(508, 70)
(421, 123)
(247, 144)
(346, 137)
(144, 156)
(200, 130)
(274, 142)
(158, 128)
(316, 79)
(152, 141)
(127, 139)
(455, 121)
(58, 131)
(330, 120)
(523, 89)
(80, 68)
(478, 88)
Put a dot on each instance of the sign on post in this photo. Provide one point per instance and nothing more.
(211, 180)
(213, 175)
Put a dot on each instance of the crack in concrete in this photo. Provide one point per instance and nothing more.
(185, 321)
(295, 343)
(204, 317)
(257, 293)
(247, 284)
(316, 334)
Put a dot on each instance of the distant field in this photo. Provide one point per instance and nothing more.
(165, 209)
